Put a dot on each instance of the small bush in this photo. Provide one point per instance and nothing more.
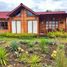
(14, 46)
(3, 56)
(34, 61)
(57, 34)
(24, 57)
(30, 45)
(44, 46)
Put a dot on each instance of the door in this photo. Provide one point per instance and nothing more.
(34, 26)
(29, 26)
(13, 26)
(16, 27)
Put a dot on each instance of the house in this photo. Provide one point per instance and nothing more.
(24, 20)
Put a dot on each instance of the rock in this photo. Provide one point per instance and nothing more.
(22, 50)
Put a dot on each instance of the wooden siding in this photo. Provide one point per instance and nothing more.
(24, 21)
(4, 30)
(42, 24)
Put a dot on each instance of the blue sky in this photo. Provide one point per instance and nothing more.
(36, 5)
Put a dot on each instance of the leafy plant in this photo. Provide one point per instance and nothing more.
(3, 56)
(34, 61)
(24, 57)
(57, 34)
(44, 46)
(14, 46)
(61, 60)
(30, 45)
(14, 35)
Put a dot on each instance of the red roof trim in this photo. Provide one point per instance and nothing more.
(4, 15)
(22, 5)
(7, 14)
(51, 12)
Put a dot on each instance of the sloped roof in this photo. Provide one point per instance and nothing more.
(7, 14)
(4, 14)
(50, 12)
(21, 6)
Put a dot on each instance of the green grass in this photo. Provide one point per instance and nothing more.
(9, 40)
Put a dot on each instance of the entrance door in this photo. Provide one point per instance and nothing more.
(16, 27)
(32, 27)
(29, 26)
(13, 26)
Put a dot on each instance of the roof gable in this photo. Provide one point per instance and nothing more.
(17, 9)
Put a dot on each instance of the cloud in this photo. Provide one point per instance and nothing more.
(36, 5)
(3, 6)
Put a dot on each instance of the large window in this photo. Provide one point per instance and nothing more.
(52, 25)
(29, 13)
(3, 25)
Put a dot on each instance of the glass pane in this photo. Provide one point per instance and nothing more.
(53, 21)
(29, 14)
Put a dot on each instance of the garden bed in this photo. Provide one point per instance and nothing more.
(32, 51)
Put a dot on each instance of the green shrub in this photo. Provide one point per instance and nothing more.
(14, 35)
(44, 47)
(34, 61)
(57, 34)
(30, 45)
(3, 56)
(14, 46)
(24, 57)
(61, 60)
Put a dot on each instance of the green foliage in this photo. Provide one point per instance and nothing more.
(57, 34)
(14, 35)
(61, 60)
(44, 46)
(36, 65)
(24, 57)
(3, 56)
(14, 46)
(33, 60)
(30, 45)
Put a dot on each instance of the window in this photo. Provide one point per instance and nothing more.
(3, 25)
(29, 13)
(18, 14)
(51, 25)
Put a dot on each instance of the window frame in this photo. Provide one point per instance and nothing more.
(3, 25)
(53, 24)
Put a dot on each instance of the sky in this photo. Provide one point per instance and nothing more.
(36, 5)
